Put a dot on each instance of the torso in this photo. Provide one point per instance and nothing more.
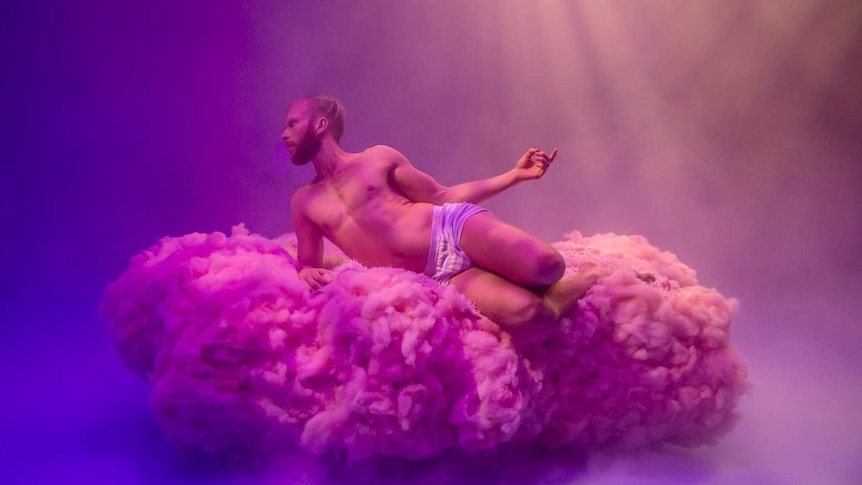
(361, 212)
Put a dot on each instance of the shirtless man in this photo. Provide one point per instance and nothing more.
(381, 211)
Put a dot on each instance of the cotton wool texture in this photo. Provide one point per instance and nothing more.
(243, 358)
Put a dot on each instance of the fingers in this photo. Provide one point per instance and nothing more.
(541, 160)
(528, 156)
(316, 278)
(539, 156)
(534, 163)
(323, 277)
(541, 167)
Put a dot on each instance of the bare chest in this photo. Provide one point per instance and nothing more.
(352, 195)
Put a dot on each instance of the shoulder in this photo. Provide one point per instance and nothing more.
(299, 199)
(385, 153)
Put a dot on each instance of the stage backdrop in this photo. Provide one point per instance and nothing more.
(724, 131)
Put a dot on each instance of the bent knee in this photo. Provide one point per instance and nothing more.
(549, 267)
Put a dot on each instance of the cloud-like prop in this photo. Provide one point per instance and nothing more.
(242, 357)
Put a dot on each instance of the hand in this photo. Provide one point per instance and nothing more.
(534, 163)
(316, 278)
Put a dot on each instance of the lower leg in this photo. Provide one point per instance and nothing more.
(562, 297)
(509, 304)
(503, 301)
(548, 305)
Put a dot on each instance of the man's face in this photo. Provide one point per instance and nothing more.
(299, 137)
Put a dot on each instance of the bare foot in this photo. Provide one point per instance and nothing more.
(562, 296)
(592, 273)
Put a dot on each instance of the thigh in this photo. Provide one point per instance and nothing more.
(496, 297)
(509, 251)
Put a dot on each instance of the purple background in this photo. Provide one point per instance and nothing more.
(727, 132)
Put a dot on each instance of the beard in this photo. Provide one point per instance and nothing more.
(307, 147)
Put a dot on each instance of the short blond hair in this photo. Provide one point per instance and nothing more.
(323, 106)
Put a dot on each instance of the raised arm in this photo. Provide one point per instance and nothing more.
(421, 187)
(309, 242)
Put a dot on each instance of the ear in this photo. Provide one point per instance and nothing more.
(321, 125)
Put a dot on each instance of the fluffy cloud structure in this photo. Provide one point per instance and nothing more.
(242, 357)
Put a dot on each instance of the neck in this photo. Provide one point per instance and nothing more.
(330, 159)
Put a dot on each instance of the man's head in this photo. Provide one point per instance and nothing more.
(309, 121)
